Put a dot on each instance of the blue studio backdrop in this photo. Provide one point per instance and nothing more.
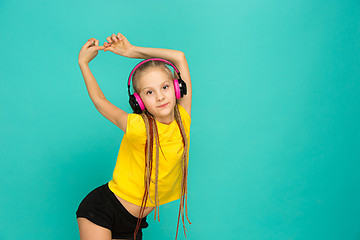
(275, 132)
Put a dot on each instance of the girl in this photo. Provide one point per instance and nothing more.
(144, 177)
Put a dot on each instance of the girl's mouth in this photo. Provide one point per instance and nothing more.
(162, 106)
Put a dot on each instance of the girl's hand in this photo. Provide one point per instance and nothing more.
(118, 44)
(89, 50)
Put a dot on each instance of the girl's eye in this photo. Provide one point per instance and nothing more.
(148, 92)
(166, 86)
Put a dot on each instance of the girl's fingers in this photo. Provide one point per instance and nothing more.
(91, 42)
(109, 39)
(87, 44)
(114, 38)
(99, 48)
(109, 48)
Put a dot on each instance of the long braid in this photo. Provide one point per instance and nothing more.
(156, 172)
(151, 132)
(184, 163)
(148, 167)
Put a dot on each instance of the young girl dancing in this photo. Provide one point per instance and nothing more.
(152, 163)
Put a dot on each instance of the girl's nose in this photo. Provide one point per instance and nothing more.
(160, 97)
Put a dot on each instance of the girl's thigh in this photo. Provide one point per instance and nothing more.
(91, 231)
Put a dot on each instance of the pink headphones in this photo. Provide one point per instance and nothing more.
(134, 99)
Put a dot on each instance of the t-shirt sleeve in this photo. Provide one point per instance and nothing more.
(135, 127)
(186, 119)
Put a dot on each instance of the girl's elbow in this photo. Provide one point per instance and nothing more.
(181, 54)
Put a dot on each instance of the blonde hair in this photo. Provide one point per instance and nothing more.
(151, 133)
(151, 64)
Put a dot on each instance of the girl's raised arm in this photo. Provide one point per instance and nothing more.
(121, 46)
(106, 108)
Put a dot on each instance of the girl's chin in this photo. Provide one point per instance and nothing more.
(163, 111)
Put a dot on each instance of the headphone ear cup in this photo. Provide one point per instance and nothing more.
(182, 87)
(177, 89)
(138, 99)
(136, 103)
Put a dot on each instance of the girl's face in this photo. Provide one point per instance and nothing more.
(156, 89)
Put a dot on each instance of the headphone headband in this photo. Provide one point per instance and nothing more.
(146, 60)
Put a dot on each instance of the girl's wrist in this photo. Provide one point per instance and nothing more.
(83, 63)
(133, 52)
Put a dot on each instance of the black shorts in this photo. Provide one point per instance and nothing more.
(102, 207)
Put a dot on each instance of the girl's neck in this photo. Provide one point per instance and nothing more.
(165, 120)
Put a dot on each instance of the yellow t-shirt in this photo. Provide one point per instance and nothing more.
(128, 175)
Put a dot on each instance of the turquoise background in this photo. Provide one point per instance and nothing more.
(275, 131)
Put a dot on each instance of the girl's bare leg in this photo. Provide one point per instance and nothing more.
(91, 231)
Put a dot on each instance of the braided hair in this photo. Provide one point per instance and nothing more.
(151, 133)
